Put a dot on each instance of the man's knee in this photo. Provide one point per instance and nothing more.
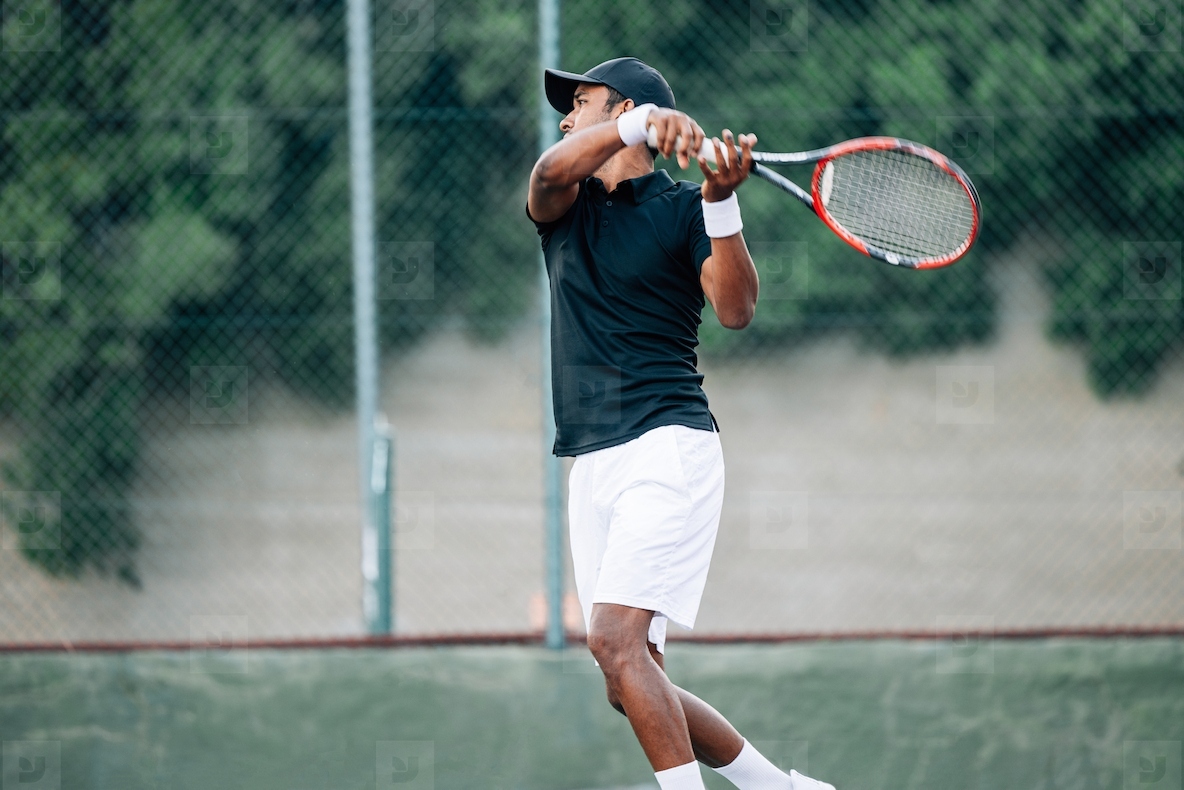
(598, 643)
(612, 638)
(617, 639)
(613, 699)
(608, 648)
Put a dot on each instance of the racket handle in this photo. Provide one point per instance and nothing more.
(707, 151)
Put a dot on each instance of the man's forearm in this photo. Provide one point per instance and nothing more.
(734, 281)
(574, 158)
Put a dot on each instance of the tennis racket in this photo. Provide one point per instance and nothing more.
(895, 200)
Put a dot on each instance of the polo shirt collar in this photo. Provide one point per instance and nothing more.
(650, 185)
(644, 187)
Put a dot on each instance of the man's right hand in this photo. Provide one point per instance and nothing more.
(678, 134)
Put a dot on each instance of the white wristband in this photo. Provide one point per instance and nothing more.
(631, 124)
(722, 218)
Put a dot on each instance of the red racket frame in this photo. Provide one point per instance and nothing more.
(908, 146)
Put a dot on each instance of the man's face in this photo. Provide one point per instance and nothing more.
(588, 108)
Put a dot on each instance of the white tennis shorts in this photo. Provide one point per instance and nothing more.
(643, 517)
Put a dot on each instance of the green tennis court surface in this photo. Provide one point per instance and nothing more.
(1002, 714)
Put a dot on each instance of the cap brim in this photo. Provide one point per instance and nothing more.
(561, 87)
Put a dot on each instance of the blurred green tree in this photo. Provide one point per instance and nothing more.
(174, 191)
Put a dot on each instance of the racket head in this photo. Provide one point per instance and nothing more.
(897, 201)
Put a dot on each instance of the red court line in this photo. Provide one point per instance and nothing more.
(536, 638)
(1095, 632)
(318, 643)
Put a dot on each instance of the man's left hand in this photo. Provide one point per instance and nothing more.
(732, 166)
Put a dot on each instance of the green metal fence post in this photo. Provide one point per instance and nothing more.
(361, 160)
(382, 488)
(553, 497)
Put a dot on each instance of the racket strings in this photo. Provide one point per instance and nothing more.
(900, 203)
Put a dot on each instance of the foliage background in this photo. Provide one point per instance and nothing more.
(127, 262)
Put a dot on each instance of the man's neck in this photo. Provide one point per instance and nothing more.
(625, 164)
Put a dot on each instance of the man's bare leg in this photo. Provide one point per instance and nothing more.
(715, 741)
(617, 639)
(712, 739)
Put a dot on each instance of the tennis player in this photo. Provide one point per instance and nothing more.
(631, 254)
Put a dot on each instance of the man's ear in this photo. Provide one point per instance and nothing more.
(625, 107)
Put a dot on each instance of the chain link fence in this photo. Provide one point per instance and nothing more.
(998, 445)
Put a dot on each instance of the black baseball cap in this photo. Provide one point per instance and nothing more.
(628, 76)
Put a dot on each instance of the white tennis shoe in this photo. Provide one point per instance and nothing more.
(800, 782)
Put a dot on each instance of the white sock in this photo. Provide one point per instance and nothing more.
(751, 770)
(681, 777)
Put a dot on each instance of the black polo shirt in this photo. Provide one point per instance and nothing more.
(625, 311)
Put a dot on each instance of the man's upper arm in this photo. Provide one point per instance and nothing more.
(546, 204)
(546, 227)
(706, 281)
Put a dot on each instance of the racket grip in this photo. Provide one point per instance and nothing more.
(707, 151)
